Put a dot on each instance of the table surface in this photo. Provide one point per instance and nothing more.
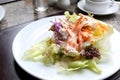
(18, 15)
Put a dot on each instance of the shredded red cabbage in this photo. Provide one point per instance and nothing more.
(57, 26)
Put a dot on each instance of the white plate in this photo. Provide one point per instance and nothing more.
(111, 10)
(37, 31)
(2, 12)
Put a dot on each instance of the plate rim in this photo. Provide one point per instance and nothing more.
(2, 12)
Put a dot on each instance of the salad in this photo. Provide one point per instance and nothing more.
(78, 42)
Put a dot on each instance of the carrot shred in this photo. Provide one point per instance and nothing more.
(80, 31)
